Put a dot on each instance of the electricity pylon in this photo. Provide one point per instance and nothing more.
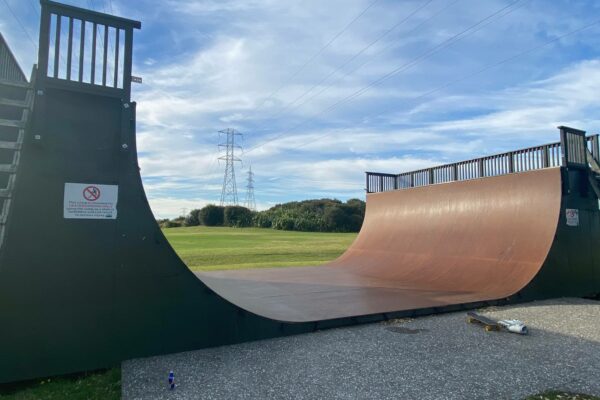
(229, 192)
(250, 201)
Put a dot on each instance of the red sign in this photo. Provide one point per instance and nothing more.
(91, 193)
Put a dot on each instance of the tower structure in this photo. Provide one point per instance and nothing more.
(250, 201)
(229, 192)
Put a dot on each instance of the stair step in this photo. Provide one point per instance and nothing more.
(13, 103)
(10, 145)
(12, 123)
(25, 85)
(10, 168)
(5, 193)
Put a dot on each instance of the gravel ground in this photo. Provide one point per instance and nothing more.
(436, 357)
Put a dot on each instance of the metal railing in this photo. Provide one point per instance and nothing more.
(549, 155)
(10, 70)
(86, 49)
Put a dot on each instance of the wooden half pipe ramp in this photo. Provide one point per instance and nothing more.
(87, 278)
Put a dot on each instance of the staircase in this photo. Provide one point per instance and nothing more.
(16, 98)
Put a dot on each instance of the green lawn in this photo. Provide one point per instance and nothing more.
(104, 385)
(211, 248)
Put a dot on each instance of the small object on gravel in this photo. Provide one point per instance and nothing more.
(172, 380)
(514, 326)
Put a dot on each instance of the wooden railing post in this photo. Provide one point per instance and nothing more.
(595, 148)
(573, 144)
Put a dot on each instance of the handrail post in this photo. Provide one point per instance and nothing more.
(455, 172)
(431, 176)
(545, 157)
(480, 167)
(573, 152)
(127, 62)
(511, 162)
(44, 43)
(595, 148)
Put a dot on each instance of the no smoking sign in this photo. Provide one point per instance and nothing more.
(90, 201)
(91, 193)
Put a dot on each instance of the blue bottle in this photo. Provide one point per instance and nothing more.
(172, 380)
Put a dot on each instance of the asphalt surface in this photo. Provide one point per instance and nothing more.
(435, 357)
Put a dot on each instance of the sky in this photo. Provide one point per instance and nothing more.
(326, 90)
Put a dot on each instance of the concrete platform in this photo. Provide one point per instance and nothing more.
(437, 357)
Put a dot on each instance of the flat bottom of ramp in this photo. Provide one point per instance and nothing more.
(432, 357)
(304, 294)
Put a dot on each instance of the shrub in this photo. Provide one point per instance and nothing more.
(211, 215)
(284, 222)
(192, 219)
(237, 216)
(262, 220)
(171, 224)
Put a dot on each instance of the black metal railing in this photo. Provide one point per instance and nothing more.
(84, 48)
(569, 152)
(10, 70)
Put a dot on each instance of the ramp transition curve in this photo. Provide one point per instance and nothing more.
(80, 294)
(425, 247)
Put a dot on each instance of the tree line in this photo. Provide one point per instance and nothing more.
(321, 215)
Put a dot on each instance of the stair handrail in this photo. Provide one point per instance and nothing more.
(10, 70)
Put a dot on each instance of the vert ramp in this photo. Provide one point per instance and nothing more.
(81, 292)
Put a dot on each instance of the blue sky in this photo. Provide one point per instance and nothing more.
(325, 90)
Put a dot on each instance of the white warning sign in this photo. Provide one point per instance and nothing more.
(90, 201)
(572, 216)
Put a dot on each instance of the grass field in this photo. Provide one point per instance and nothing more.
(211, 248)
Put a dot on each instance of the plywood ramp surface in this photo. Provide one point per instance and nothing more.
(431, 246)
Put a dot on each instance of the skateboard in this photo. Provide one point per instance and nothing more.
(510, 325)
(488, 323)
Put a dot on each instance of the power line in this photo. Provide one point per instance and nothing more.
(355, 56)
(326, 88)
(318, 53)
(485, 68)
(21, 24)
(455, 38)
(32, 3)
(506, 60)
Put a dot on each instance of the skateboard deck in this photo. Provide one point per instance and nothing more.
(488, 323)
